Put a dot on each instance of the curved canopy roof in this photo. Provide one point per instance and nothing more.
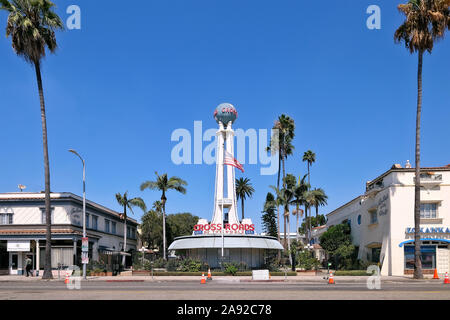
(229, 241)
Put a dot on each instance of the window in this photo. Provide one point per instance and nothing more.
(94, 222)
(373, 217)
(87, 220)
(427, 256)
(52, 216)
(113, 227)
(128, 232)
(6, 218)
(428, 210)
(359, 219)
(106, 225)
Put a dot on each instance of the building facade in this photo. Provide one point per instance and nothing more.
(382, 220)
(23, 231)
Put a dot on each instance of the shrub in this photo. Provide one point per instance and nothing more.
(230, 268)
(306, 261)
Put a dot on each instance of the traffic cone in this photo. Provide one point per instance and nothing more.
(436, 276)
(446, 281)
(331, 279)
(209, 274)
(203, 281)
(66, 281)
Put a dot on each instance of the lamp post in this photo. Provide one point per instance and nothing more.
(84, 204)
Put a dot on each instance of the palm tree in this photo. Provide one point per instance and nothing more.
(128, 203)
(310, 158)
(281, 143)
(164, 184)
(309, 199)
(299, 200)
(426, 21)
(284, 198)
(320, 199)
(243, 189)
(32, 26)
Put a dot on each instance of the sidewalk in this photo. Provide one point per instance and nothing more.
(224, 279)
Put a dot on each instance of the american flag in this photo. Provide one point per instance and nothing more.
(231, 161)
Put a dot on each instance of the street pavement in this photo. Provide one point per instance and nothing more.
(230, 288)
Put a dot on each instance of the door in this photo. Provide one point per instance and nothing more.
(14, 263)
(443, 259)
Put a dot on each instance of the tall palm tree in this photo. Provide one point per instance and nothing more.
(281, 143)
(32, 26)
(284, 199)
(426, 21)
(320, 199)
(309, 199)
(244, 189)
(300, 188)
(164, 184)
(309, 157)
(128, 203)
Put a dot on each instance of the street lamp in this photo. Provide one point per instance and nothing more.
(84, 205)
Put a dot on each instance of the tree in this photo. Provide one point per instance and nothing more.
(128, 203)
(337, 242)
(309, 157)
(281, 143)
(32, 25)
(300, 188)
(316, 221)
(320, 199)
(426, 21)
(269, 218)
(284, 199)
(243, 189)
(180, 224)
(164, 184)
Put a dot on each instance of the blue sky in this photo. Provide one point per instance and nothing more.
(116, 89)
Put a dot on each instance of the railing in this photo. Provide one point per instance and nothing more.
(431, 177)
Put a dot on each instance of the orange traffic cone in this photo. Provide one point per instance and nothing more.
(209, 274)
(203, 281)
(436, 276)
(66, 281)
(331, 279)
(446, 281)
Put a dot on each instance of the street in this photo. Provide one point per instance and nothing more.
(222, 289)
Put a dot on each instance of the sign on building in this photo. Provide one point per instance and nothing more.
(18, 246)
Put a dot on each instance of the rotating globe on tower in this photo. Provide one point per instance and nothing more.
(225, 113)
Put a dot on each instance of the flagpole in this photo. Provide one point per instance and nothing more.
(223, 224)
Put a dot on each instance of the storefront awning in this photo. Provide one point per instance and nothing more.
(424, 239)
(198, 242)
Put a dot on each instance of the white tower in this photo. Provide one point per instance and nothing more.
(225, 114)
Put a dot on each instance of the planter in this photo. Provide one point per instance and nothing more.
(306, 272)
(141, 273)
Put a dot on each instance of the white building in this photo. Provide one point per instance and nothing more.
(382, 220)
(23, 230)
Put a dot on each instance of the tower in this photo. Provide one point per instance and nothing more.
(225, 115)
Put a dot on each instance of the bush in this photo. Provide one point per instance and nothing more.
(306, 261)
(230, 268)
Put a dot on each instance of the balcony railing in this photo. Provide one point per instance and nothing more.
(431, 177)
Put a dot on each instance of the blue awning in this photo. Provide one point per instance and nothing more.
(424, 239)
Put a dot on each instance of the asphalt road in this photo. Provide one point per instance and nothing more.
(218, 290)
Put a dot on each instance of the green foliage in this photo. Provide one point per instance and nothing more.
(320, 220)
(230, 268)
(269, 221)
(177, 225)
(337, 242)
(305, 260)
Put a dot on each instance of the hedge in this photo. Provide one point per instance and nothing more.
(351, 273)
(169, 273)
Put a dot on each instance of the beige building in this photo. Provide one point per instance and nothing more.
(382, 220)
(23, 230)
